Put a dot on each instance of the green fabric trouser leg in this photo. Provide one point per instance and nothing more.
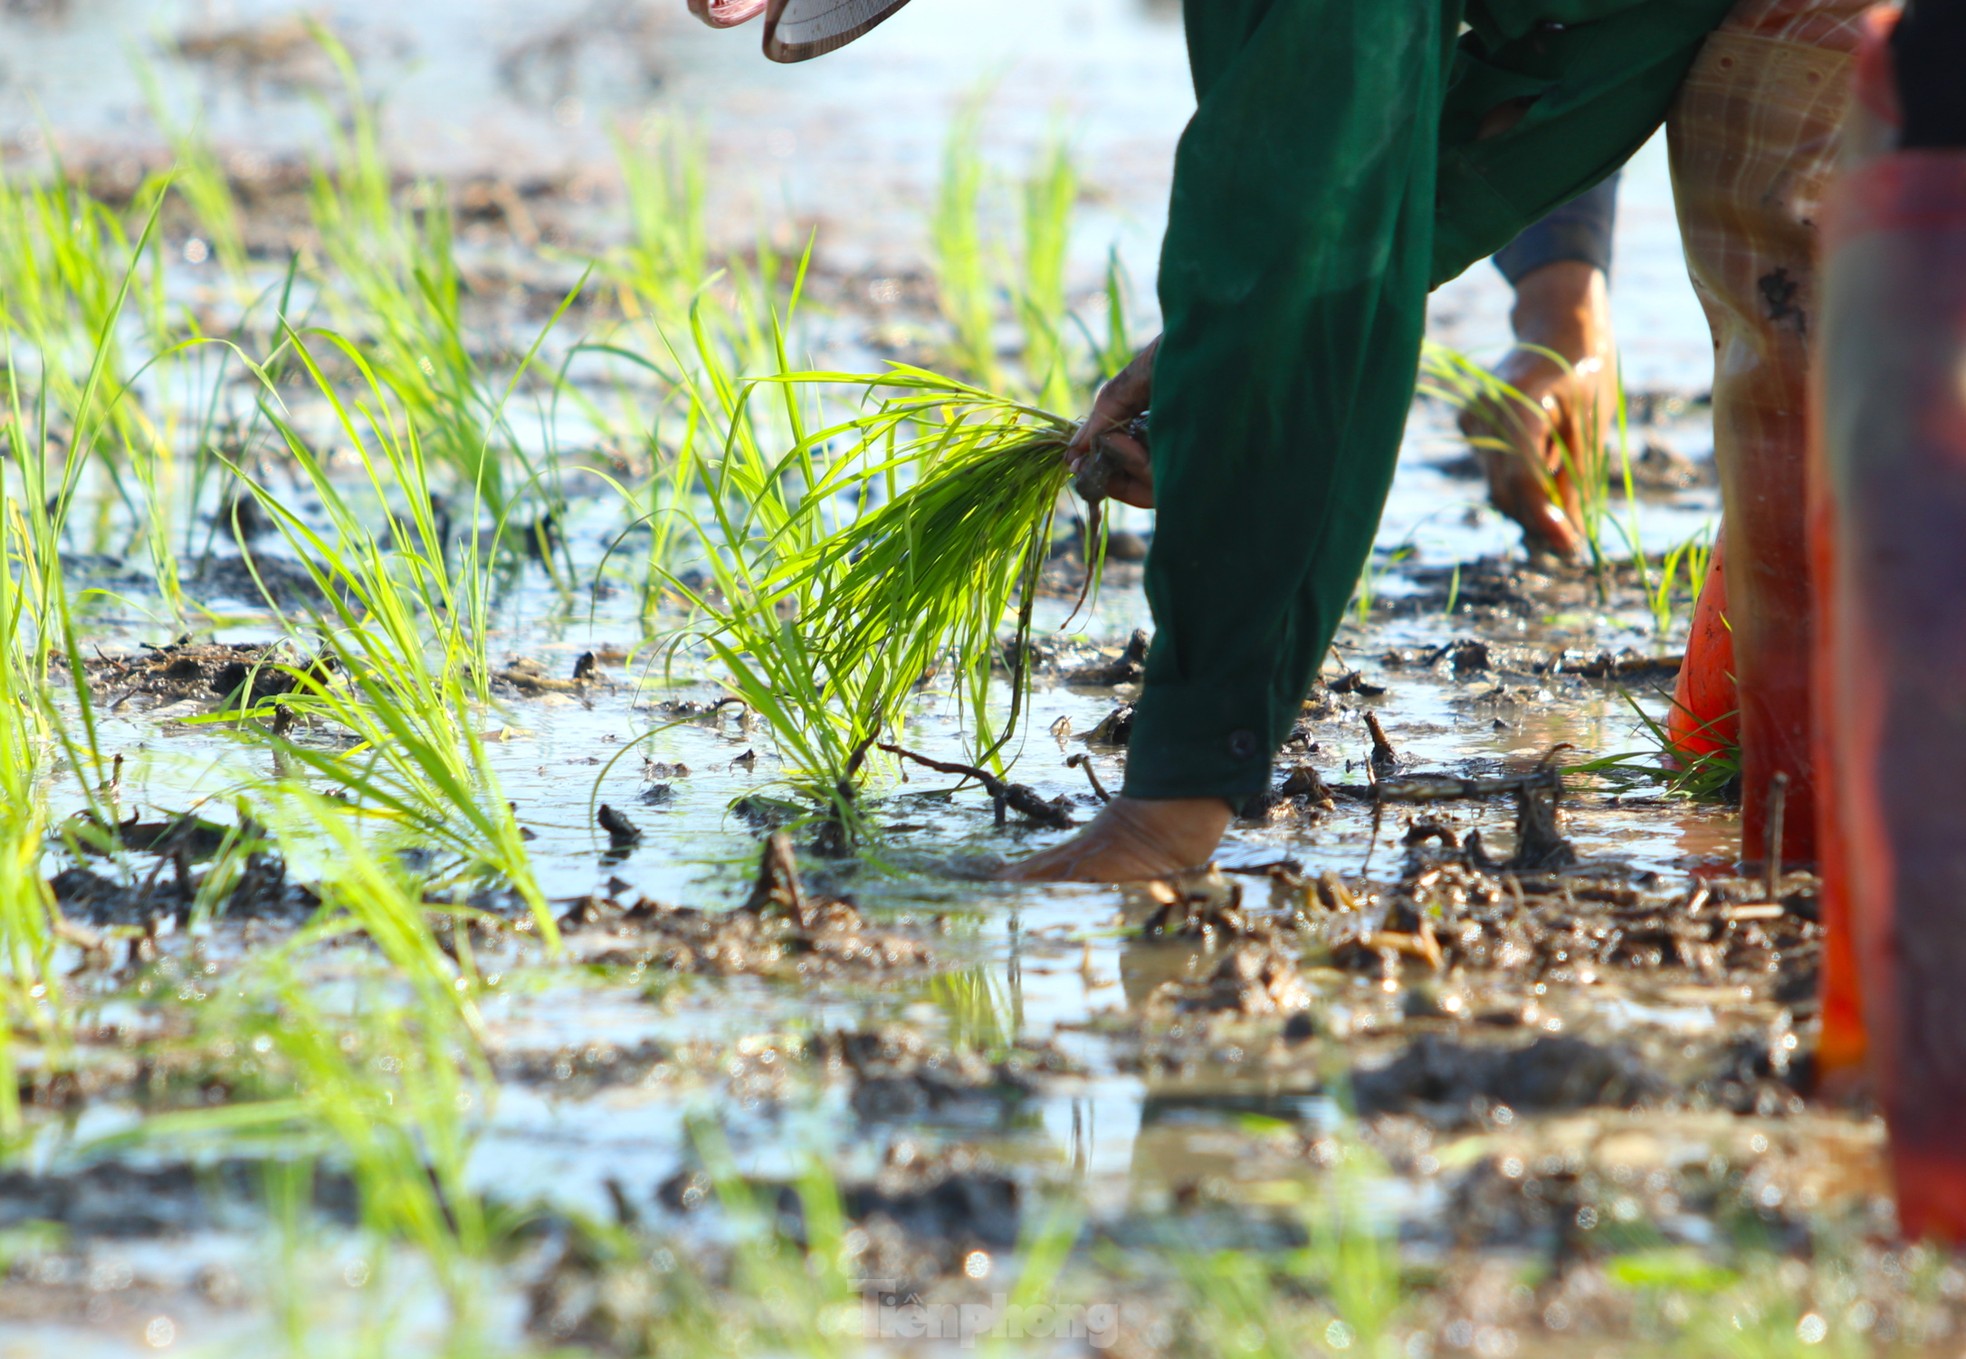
(1331, 175)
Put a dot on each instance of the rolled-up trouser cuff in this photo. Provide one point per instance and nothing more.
(1201, 740)
(1580, 232)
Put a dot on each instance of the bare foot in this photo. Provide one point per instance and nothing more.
(1131, 840)
(1538, 449)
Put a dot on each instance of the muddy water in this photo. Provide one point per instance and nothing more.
(1133, 1091)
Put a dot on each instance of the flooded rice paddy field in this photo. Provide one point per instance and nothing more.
(507, 1000)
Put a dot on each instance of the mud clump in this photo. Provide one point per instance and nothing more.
(1302, 798)
(1204, 906)
(831, 939)
(1114, 729)
(782, 931)
(944, 1205)
(581, 1071)
(1129, 667)
(117, 1201)
(899, 1074)
(528, 678)
(203, 673)
(1251, 980)
(1454, 1083)
(261, 891)
(1572, 923)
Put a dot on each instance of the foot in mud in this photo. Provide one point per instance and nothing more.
(1133, 839)
(1536, 448)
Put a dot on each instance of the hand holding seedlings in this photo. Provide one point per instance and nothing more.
(1108, 453)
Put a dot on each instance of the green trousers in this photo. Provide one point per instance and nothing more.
(1334, 173)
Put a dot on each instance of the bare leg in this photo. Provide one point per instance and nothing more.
(1753, 139)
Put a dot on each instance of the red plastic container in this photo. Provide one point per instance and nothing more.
(1890, 546)
(1869, 132)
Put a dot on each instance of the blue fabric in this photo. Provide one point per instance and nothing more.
(1579, 231)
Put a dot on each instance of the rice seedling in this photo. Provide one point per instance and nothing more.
(390, 274)
(31, 992)
(1714, 776)
(68, 266)
(200, 180)
(412, 701)
(1342, 1292)
(1368, 576)
(1694, 555)
(50, 444)
(1113, 351)
(978, 1007)
(1049, 196)
(962, 274)
(829, 630)
(385, 1083)
(932, 573)
(971, 280)
(667, 256)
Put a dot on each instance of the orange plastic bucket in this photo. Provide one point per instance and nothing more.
(1705, 716)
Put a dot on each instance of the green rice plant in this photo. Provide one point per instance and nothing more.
(971, 280)
(352, 194)
(840, 581)
(414, 309)
(668, 253)
(389, 273)
(1343, 1292)
(1714, 776)
(1629, 525)
(32, 999)
(404, 620)
(48, 444)
(199, 179)
(68, 267)
(386, 1082)
(962, 273)
(1366, 590)
(978, 1007)
(662, 505)
(52, 443)
(756, 517)
(69, 274)
(1050, 193)
(1694, 555)
(930, 575)
(1115, 349)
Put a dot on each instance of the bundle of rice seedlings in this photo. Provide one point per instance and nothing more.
(927, 578)
(842, 557)
(882, 549)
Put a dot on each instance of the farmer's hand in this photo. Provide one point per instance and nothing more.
(1129, 471)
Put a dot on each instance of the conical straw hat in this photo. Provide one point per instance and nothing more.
(797, 30)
